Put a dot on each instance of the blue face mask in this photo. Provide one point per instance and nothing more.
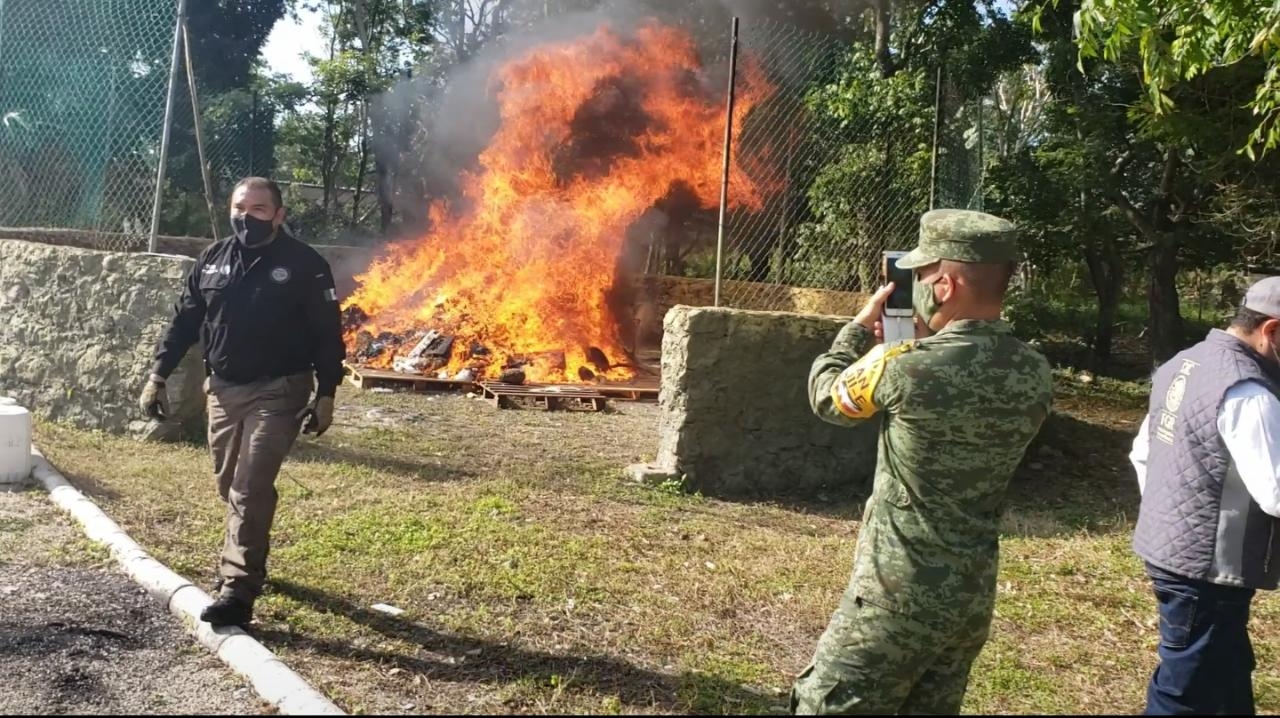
(251, 231)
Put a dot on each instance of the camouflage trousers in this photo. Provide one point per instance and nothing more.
(871, 660)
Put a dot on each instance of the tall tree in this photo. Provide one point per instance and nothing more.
(871, 194)
(226, 38)
(1159, 173)
(1180, 40)
(371, 43)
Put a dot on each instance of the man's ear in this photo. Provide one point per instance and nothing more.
(1269, 329)
(279, 218)
(946, 285)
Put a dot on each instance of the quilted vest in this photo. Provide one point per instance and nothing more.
(1197, 518)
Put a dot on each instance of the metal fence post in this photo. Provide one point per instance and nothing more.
(728, 148)
(982, 157)
(168, 124)
(1, 28)
(195, 115)
(253, 134)
(937, 124)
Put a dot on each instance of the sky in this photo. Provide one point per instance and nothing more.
(289, 40)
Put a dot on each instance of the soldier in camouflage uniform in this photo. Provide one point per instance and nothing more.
(957, 408)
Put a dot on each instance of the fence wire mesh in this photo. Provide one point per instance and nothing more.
(236, 133)
(853, 164)
(82, 92)
(847, 158)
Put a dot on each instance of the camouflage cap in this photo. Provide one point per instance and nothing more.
(962, 235)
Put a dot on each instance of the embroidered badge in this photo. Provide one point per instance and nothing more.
(1167, 420)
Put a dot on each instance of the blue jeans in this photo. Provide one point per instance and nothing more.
(1206, 659)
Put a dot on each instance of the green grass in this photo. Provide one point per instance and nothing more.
(534, 578)
(35, 532)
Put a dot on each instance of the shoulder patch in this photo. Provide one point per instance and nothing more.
(856, 385)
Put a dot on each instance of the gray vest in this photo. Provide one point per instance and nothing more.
(1197, 518)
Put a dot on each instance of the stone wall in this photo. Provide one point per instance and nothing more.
(346, 262)
(735, 416)
(78, 331)
(674, 291)
(653, 295)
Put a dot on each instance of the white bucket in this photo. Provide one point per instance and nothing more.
(15, 444)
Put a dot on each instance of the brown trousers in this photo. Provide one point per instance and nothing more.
(251, 429)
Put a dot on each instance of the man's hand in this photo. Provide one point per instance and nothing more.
(869, 316)
(319, 416)
(155, 400)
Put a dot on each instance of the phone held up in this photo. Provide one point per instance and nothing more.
(897, 317)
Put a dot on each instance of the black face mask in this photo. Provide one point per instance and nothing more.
(251, 231)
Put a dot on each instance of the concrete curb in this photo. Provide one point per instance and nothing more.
(271, 678)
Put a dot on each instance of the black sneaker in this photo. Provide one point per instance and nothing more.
(228, 611)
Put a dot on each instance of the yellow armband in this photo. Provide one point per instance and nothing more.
(855, 388)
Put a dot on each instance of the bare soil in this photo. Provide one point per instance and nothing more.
(78, 636)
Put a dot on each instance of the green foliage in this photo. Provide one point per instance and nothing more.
(869, 195)
(1181, 40)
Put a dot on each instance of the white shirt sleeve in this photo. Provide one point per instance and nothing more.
(1138, 455)
(1249, 422)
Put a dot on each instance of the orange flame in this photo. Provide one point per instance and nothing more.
(523, 265)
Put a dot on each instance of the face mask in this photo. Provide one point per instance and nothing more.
(251, 231)
(924, 302)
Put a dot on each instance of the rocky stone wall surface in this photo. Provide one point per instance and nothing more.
(735, 417)
(78, 332)
(672, 291)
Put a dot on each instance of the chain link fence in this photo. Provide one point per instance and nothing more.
(235, 130)
(82, 93)
(852, 169)
(847, 164)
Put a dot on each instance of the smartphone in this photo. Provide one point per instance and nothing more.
(896, 322)
(899, 304)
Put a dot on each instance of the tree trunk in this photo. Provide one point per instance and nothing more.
(1106, 274)
(382, 178)
(1153, 225)
(329, 162)
(1167, 333)
(363, 167)
(883, 31)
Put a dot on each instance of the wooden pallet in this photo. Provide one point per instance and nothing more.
(543, 397)
(366, 378)
(631, 392)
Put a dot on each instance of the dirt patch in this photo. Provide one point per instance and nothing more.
(83, 638)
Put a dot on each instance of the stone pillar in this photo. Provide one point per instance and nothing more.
(78, 332)
(735, 415)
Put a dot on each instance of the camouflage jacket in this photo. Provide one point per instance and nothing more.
(958, 410)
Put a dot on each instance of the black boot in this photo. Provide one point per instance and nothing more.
(228, 611)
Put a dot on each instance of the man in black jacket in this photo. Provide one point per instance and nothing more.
(264, 307)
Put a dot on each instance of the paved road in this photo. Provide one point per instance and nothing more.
(78, 636)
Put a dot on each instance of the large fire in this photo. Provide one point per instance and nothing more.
(593, 133)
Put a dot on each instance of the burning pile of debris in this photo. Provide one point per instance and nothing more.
(433, 353)
(518, 277)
